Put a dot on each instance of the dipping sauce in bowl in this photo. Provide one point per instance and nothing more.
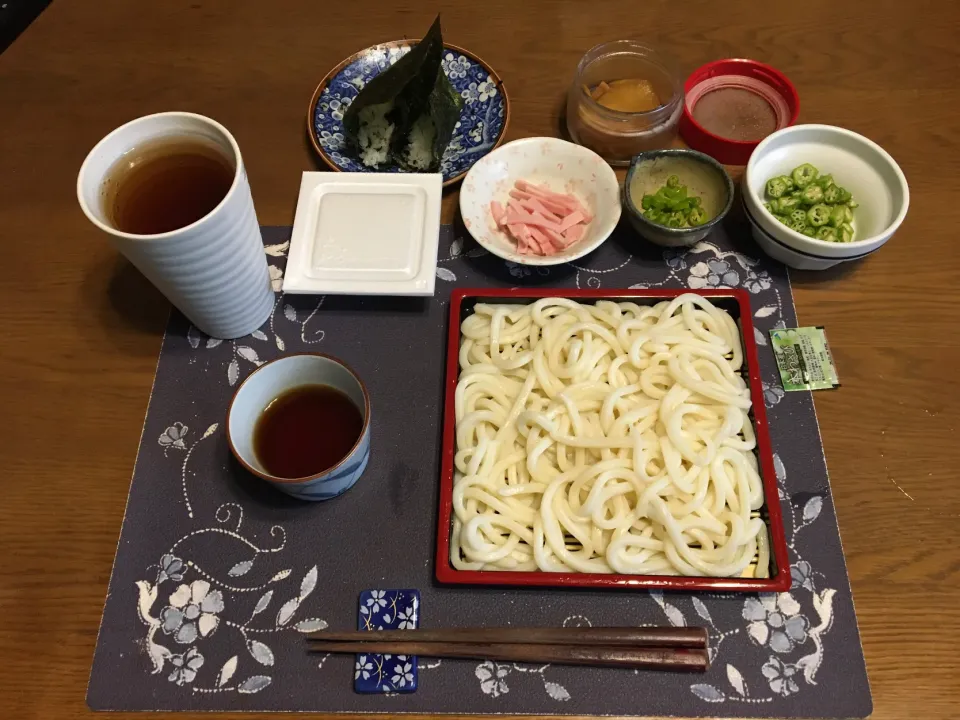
(286, 438)
(302, 423)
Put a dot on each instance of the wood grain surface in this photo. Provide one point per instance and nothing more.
(81, 330)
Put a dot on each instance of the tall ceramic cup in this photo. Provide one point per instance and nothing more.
(214, 270)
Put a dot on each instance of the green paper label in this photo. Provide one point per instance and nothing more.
(804, 359)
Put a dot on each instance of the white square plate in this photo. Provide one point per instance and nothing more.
(365, 234)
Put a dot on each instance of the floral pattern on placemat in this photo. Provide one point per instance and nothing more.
(182, 605)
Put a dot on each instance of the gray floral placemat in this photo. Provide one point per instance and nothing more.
(217, 575)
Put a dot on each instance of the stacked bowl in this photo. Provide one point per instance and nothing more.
(858, 164)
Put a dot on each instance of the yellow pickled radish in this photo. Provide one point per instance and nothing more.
(627, 95)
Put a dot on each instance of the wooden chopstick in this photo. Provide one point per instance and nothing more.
(634, 637)
(646, 658)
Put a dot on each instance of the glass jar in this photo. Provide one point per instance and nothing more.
(614, 135)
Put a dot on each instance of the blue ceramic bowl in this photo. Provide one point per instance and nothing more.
(271, 380)
(483, 120)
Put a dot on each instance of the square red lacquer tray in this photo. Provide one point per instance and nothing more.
(737, 303)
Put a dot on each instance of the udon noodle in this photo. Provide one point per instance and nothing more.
(605, 438)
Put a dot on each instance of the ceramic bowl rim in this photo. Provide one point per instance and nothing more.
(315, 99)
(547, 260)
(677, 152)
(274, 479)
(879, 238)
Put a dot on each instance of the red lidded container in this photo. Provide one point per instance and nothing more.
(731, 105)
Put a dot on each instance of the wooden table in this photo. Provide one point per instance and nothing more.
(81, 330)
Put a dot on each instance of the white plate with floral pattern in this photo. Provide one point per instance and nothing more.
(559, 165)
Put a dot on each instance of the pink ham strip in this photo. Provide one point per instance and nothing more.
(587, 217)
(496, 209)
(547, 247)
(570, 220)
(567, 201)
(538, 208)
(554, 207)
(519, 233)
(574, 234)
(519, 216)
(560, 240)
(540, 221)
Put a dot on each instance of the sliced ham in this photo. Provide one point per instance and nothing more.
(517, 215)
(547, 246)
(570, 220)
(540, 221)
(574, 234)
(496, 209)
(535, 206)
(520, 234)
(567, 201)
(558, 209)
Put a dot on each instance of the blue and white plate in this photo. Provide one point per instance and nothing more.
(483, 120)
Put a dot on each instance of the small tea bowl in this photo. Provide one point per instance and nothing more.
(704, 177)
(273, 379)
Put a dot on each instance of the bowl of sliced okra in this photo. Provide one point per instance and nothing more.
(817, 195)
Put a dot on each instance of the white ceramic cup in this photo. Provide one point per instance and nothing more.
(214, 270)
